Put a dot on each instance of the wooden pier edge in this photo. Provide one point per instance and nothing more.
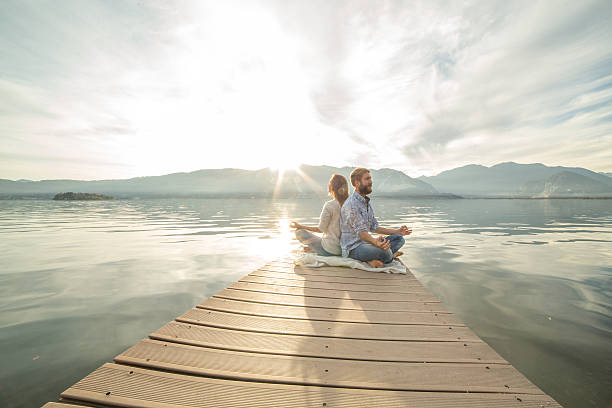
(291, 336)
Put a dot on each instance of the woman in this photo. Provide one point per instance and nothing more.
(329, 222)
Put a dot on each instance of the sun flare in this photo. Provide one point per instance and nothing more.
(286, 165)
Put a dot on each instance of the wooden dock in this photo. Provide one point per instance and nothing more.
(290, 336)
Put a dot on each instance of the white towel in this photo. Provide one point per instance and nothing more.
(315, 261)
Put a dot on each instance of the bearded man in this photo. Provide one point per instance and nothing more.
(357, 221)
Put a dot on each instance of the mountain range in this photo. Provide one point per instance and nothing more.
(522, 180)
(501, 180)
(307, 181)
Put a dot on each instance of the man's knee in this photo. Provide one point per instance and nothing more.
(397, 239)
(366, 252)
(401, 241)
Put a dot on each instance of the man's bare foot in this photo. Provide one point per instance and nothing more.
(375, 263)
(308, 249)
(397, 254)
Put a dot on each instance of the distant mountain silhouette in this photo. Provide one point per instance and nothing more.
(566, 184)
(501, 180)
(308, 181)
(522, 180)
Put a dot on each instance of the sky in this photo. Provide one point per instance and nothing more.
(118, 89)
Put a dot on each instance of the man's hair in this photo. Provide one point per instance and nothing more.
(357, 174)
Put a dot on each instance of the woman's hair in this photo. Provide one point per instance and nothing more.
(338, 186)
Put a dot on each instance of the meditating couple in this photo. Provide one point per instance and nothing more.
(347, 221)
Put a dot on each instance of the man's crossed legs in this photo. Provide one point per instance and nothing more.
(367, 252)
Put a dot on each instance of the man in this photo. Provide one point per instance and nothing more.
(357, 221)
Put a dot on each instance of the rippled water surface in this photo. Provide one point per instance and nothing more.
(82, 281)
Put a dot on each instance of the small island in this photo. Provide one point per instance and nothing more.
(70, 196)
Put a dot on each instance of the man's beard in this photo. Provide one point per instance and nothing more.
(365, 189)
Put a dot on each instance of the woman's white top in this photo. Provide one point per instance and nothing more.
(329, 224)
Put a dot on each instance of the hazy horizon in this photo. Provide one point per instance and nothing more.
(104, 90)
(273, 169)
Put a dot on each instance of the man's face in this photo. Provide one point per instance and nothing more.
(364, 186)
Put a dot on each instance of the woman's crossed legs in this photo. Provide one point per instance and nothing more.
(311, 241)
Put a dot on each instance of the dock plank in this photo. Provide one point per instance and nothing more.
(327, 329)
(118, 385)
(299, 370)
(332, 315)
(351, 304)
(348, 287)
(341, 348)
(334, 293)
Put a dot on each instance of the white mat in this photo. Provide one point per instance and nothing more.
(315, 261)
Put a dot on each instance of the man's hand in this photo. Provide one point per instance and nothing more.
(404, 230)
(382, 243)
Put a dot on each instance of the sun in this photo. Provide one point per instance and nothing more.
(283, 166)
(286, 165)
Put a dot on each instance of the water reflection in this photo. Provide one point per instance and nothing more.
(82, 281)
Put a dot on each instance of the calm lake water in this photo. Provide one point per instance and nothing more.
(82, 281)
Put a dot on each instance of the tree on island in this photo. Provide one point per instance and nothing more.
(69, 196)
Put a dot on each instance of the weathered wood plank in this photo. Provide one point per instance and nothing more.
(297, 370)
(373, 350)
(353, 304)
(334, 293)
(350, 287)
(118, 385)
(327, 329)
(331, 315)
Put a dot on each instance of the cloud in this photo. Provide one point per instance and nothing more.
(156, 87)
(512, 93)
(448, 84)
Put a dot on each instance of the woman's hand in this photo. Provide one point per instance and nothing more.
(295, 225)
